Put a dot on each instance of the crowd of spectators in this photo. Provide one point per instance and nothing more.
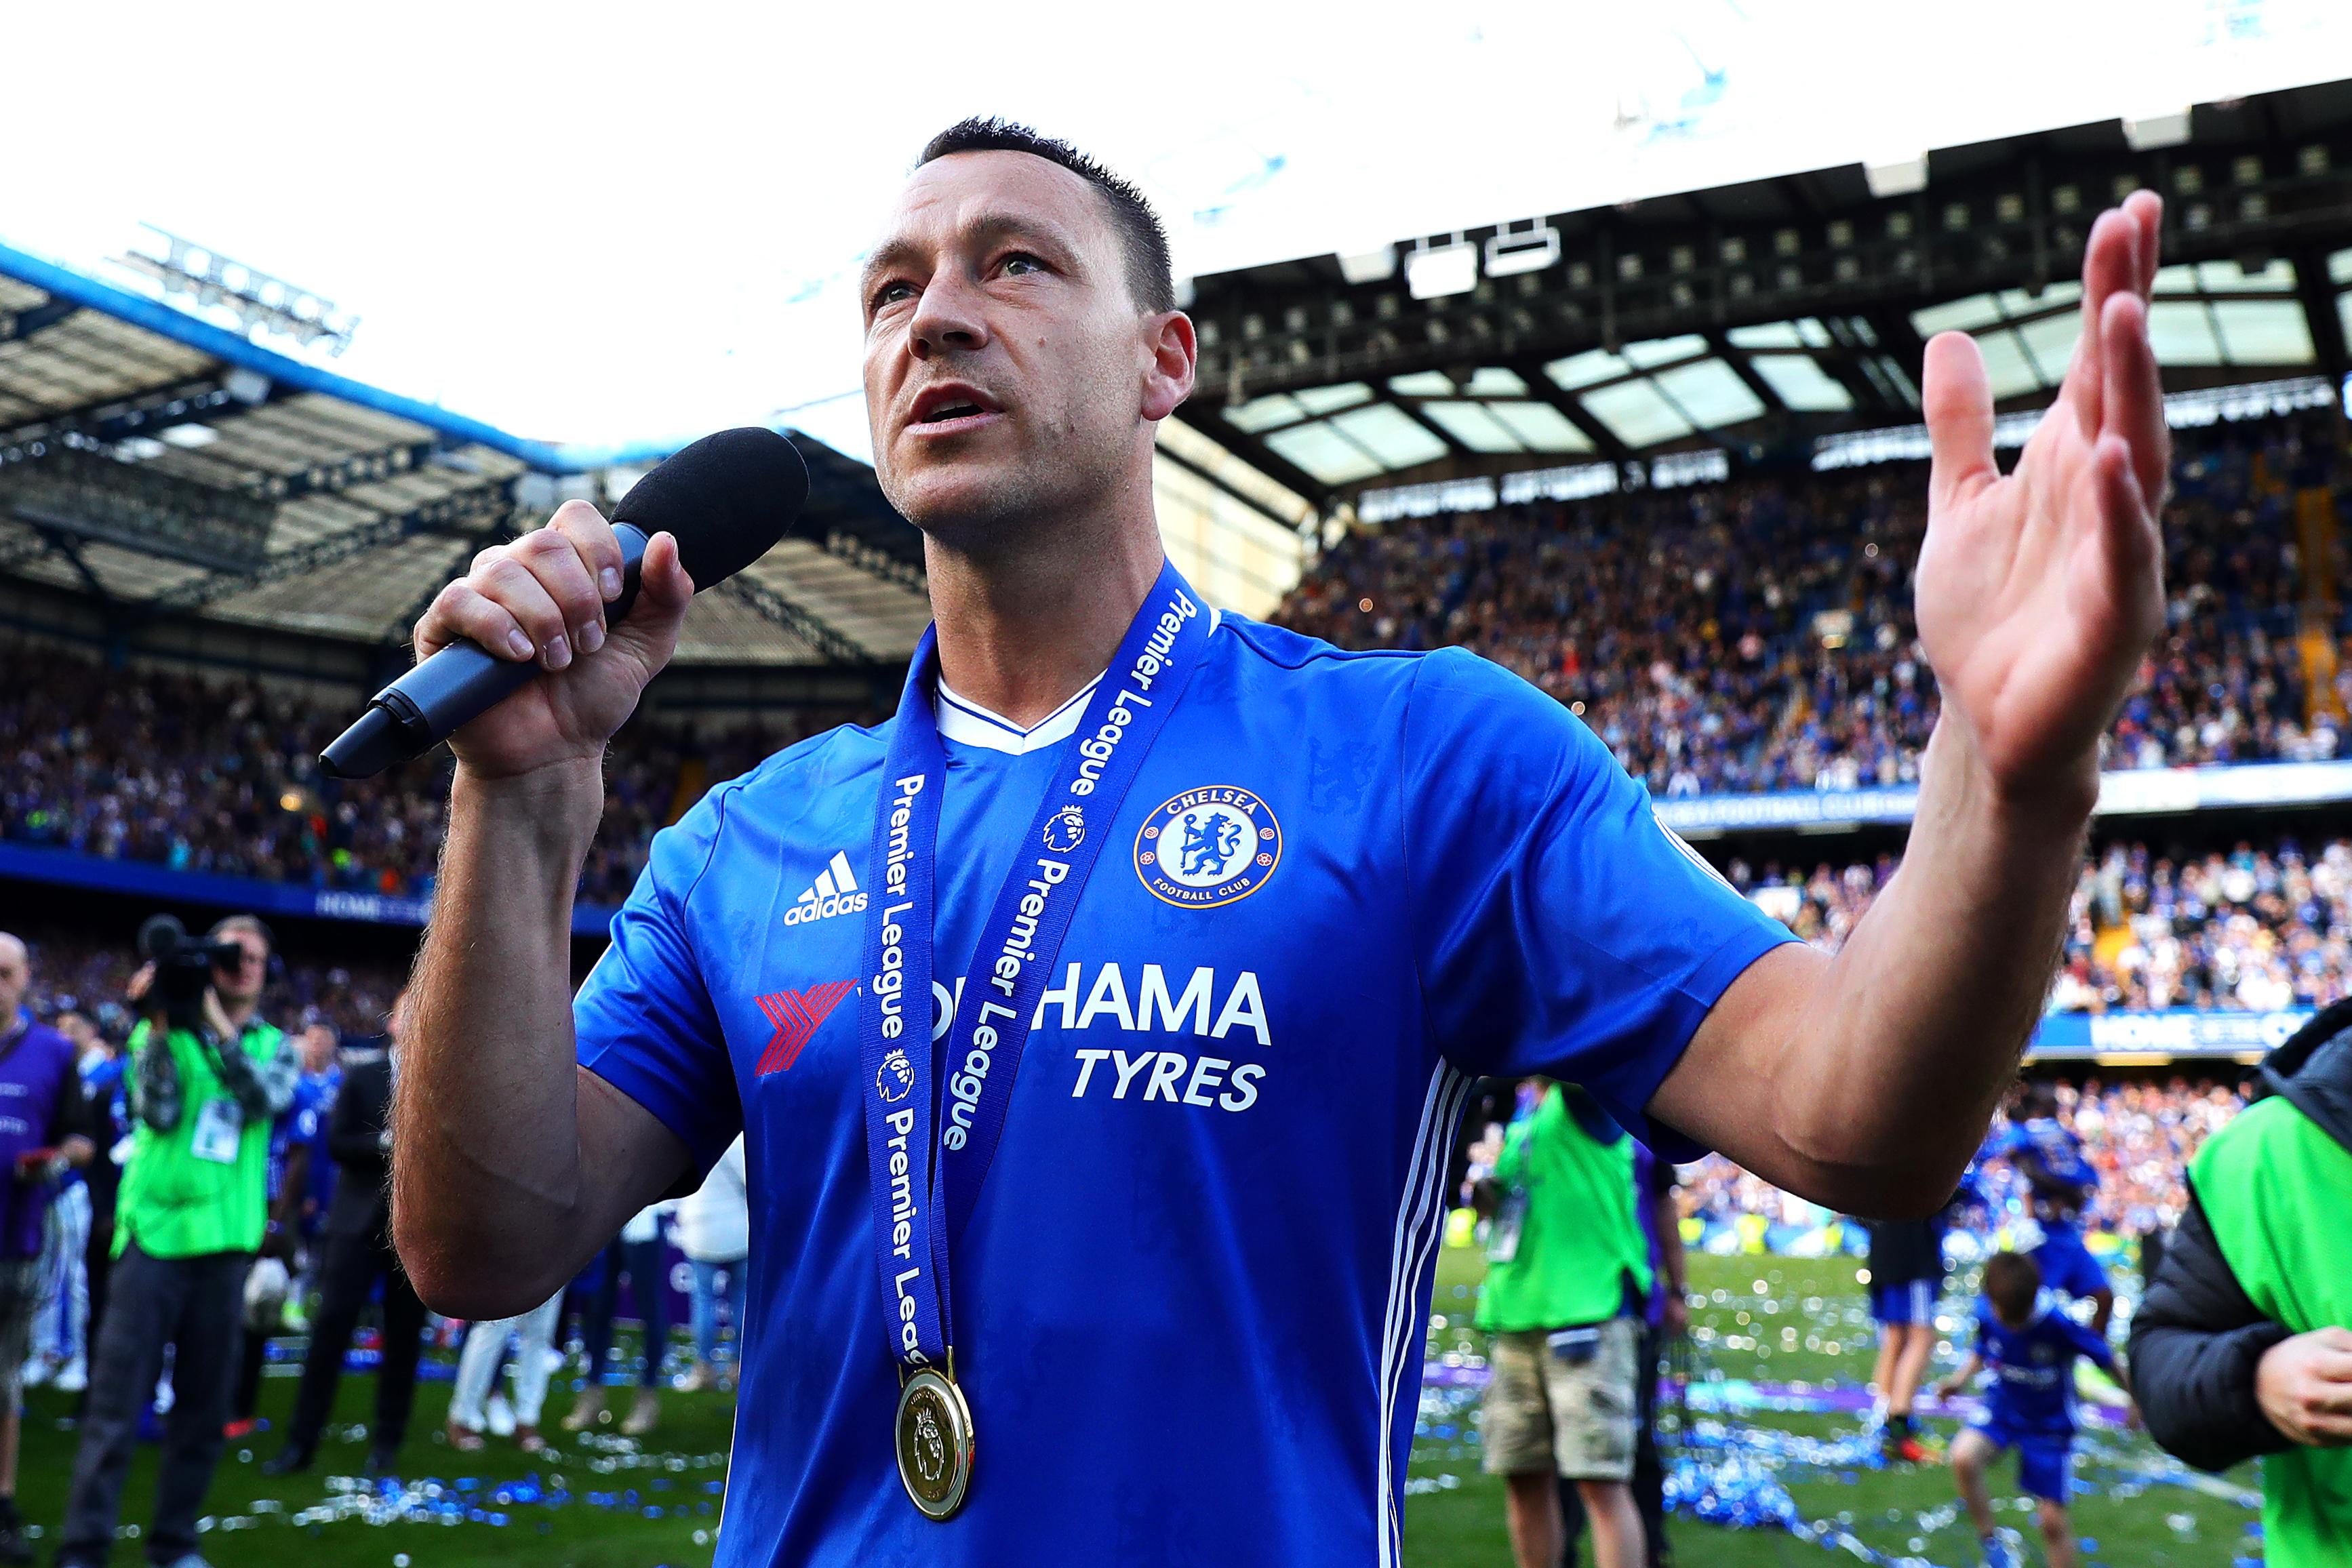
(2139, 1136)
(77, 969)
(1757, 635)
(2250, 929)
(208, 774)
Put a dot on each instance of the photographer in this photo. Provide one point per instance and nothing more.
(208, 1079)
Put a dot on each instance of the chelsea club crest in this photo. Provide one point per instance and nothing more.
(1207, 847)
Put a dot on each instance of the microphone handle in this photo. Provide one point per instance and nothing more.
(457, 685)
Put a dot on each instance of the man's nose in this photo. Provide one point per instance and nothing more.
(949, 316)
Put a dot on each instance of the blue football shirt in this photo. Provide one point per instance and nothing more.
(1190, 1306)
(2033, 1391)
(2070, 1175)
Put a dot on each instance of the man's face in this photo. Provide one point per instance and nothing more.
(317, 1047)
(244, 982)
(1009, 371)
(15, 977)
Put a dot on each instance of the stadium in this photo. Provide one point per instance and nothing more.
(1665, 459)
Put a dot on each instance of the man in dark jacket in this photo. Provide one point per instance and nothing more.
(2244, 1343)
(358, 1254)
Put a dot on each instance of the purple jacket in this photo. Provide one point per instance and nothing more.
(40, 1104)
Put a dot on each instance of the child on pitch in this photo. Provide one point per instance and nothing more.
(2032, 1348)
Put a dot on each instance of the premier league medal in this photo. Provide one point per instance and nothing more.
(934, 1443)
(925, 1166)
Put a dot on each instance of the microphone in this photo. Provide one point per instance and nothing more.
(727, 500)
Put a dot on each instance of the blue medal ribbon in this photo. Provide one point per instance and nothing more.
(928, 1152)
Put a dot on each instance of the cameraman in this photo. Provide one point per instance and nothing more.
(208, 1079)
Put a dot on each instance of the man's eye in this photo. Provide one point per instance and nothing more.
(892, 293)
(1017, 265)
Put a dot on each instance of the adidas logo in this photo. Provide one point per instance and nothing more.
(834, 891)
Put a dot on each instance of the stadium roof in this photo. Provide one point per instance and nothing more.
(166, 464)
(1762, 317)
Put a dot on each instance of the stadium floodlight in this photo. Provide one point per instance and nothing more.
(1896, 176)
(1511, 252)
(260, 302)
(1434, 272)
(1370, 265)
(2147, 133)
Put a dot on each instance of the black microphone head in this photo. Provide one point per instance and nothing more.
(727, 500)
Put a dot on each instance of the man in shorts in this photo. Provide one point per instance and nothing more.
(1568, 1274)
(1906, 1274)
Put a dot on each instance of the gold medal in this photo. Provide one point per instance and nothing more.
(934, 1442)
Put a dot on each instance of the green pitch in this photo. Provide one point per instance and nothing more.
(1805, 1326)
(1807, 1323)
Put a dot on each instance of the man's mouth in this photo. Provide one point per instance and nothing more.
(943, 409)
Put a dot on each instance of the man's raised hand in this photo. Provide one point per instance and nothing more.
(2039, 592)
(543, 598)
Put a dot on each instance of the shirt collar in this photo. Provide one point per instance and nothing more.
(962, 719)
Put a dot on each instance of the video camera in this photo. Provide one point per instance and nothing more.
(184, 966)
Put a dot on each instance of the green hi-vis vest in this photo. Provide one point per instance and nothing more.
(1574, 1242)
(204, 1186)
(2277, 1188)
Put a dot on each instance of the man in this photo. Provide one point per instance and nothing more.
(188, 1220)
(295, 1140)
(1906, 1276)
(42, 1132)
(1665, 1317)
(60, 1355)
(102, 1086)
(2244, 1345)
(1435, 872)
(2060, 1178)
(1567, 1276)
(358, 1257)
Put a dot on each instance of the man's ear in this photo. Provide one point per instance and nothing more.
(1168, 380)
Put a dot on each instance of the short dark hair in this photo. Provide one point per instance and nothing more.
(2039, 1097)
(2012, 1280)
(229, 924)
(1151, 277)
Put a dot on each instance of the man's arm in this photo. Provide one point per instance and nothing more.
(1865, 1081)
(512, 1163)
(2200, 1340)
(157, 1096)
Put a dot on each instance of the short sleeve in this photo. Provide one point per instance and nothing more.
(644, 1019)
(1559, 928)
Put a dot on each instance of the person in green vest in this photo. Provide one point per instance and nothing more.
(190, 1215)
(1567, 1272)
(2244, 1346)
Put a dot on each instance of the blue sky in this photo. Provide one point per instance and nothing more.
(609, 222)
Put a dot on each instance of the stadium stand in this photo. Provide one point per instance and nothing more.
(2246, 929)
(220, 776)
(2140, 1135)
(1757, 635)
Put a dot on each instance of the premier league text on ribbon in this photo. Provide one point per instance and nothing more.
(890, 978)
(924, 1192)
